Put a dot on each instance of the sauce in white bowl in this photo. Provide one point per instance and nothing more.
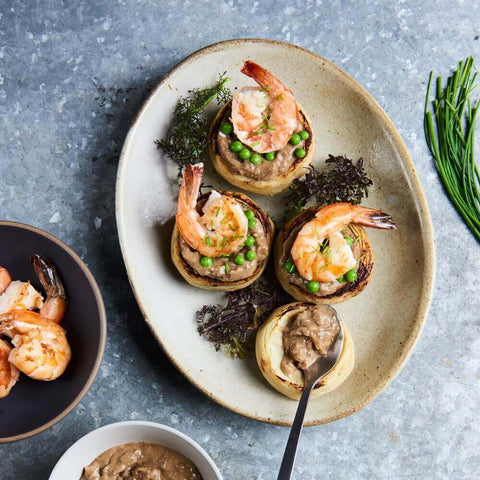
(88, 448)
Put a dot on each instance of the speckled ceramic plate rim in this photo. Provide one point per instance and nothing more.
(103, 329)
(417, 192)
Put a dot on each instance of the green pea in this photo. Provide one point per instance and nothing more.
(313, 287)
(252, 223)
(251, 255)
(270, 156)
(250, 241)
(295, 139)
(239, 259)
(245, 154)
(256, 159)
(304, 135)
(300, 152)
(206, 262)
(289, 266)
(340, 279)
(349, 240)
(249, 214)
(226, 128)
(351, 275)
(236, 146)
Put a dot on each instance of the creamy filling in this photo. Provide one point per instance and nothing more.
(308, 337)
(224, 268)
(266, 170)
(141, 461)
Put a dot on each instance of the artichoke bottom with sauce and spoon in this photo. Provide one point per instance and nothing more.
(303, 350)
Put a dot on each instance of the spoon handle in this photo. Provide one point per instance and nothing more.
(288, 461)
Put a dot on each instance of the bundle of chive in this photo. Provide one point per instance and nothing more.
(452, 144)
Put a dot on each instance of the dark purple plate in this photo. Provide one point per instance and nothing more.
(33, 406)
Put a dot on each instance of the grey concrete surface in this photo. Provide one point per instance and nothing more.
(73, 74)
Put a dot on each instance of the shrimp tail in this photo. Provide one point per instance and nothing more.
(262, 76)
(190, 187)
(370, 217)
(56, 304)
(383, 220)
(253, 70)
(48, 276)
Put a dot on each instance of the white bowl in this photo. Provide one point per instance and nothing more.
(84, 451)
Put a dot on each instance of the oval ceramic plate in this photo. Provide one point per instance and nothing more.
(385, 320)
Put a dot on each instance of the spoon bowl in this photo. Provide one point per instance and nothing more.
(324, 364)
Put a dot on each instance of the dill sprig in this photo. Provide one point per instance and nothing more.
(341, 181)
(452, 144)
(231, 325)
(187, 137)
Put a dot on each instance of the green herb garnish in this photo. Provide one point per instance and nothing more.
(325, 246)
(188, 134)
(452, 142)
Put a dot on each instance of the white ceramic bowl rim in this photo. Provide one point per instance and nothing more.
(135, 423)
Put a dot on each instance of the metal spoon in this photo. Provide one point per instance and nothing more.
(312, 375)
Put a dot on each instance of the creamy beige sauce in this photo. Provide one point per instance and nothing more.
(284, 159)
(326, 288)
(218, 270)
(141, 461)
(308, 337)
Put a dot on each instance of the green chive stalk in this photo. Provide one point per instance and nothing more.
(451, 143)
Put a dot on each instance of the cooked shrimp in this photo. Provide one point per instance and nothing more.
(21, 295)
(55, 305)
(318, 261)
(264, 118)
(41, 349)
(5, 279)
(223, 227)
(8, 372)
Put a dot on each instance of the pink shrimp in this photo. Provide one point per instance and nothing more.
(41, 349)
(264, 118)
(223, 227)
(22, 295)
(55, 305)
(326, 264)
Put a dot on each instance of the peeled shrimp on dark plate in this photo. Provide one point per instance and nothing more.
(52, 330)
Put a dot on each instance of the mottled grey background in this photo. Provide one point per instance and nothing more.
(72, 75)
